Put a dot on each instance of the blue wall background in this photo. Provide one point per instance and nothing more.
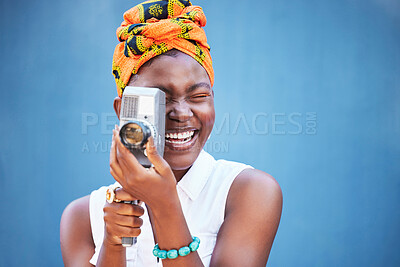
(308, 91)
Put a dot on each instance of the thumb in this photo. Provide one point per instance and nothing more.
(161, 166)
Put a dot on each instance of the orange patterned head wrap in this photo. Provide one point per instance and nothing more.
(155, 27)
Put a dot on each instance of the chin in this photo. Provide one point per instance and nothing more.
(182, 153)
(180, 160)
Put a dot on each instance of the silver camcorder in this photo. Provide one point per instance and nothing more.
(142, 115)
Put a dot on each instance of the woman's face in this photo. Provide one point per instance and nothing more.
(190, 110)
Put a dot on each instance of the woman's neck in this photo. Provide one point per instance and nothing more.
(179, 174)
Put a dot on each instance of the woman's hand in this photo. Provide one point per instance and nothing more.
(155, 185)
(121, 219)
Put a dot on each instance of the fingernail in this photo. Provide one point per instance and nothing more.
(115, 127)
(151, 142)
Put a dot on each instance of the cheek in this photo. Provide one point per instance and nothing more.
(207, 117)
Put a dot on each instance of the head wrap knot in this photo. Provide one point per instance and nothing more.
(155, 27)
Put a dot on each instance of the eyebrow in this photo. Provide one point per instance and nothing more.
(188, 90)
(197, 85)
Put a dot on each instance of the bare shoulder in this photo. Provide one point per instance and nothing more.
(256, 187)
(252, 215)
(76, 209)
(76, 240)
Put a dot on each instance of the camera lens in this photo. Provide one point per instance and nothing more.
(134, 134)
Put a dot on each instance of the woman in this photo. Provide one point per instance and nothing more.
(199, 211)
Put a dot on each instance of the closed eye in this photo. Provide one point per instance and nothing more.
(201, 95)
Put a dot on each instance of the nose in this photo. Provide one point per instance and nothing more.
(179, 111)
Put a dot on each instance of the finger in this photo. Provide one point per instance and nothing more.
(126, 231)
(130, 221)
(161, 166)
(123, 195)
(123, 209)
(125, 157)
(123, 220)
(115, 169)
(122, 231)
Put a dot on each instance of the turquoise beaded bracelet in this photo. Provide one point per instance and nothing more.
(173, 253)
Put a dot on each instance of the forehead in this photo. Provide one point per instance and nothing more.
(175, 73)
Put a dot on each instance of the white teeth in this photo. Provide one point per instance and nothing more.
(180, 136)
(177, 142)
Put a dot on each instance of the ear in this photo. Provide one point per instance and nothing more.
(117, 105)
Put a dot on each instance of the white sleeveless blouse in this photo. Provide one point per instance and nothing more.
(202, 193)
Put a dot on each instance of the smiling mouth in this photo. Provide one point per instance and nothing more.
(181, 140)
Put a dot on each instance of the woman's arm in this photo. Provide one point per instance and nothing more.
(172, 232)
(77, 244)
(252, 216)
(76, 240)
(157, 188)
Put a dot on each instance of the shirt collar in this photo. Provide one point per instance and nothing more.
(193, 182)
